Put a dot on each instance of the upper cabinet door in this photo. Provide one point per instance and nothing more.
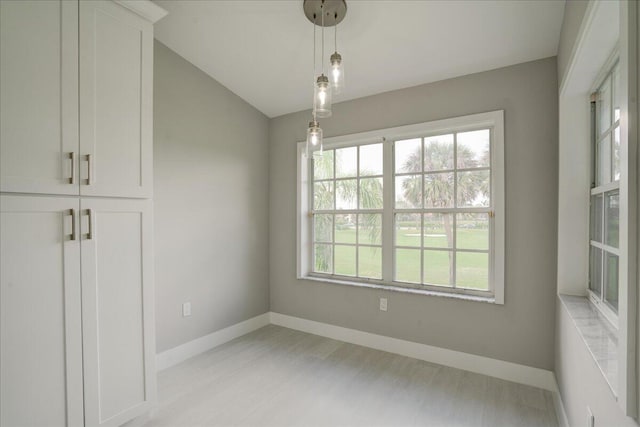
(41, 329)
(39, 96)
(116, 72)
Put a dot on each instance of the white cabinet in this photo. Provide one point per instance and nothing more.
(117, 306)
(76, 93)
(39, 96)
(70, 327)
(116, 69)
(77, 340)
(40, 330)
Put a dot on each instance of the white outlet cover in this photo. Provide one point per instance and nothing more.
(383, 304)
(186, 309)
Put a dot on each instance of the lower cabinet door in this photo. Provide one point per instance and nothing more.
(117, 309)
(40, 326)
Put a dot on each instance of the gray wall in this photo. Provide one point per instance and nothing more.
(573, 13)
(522, 330)
(211, 203)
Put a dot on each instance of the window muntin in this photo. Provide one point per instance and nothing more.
(442, 210)
(412, 225)
(347, 211)
(604, 211)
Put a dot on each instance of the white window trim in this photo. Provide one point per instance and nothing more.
(493, 120)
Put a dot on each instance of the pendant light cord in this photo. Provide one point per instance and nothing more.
(335, 34)
(322, 20)
(313, 75)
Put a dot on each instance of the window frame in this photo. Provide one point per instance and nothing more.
(493, 120)
(603, 189)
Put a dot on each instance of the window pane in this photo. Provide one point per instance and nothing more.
(596, 218)
(371, 193)
(612, 218)
(346, 162)
(472, 231)
(371, 159)
(616, 93)
(438, 153)
(323, 262)
(473, 189)
(604, 106)
(323, 165)
(595, 270)
(438, 230)
(408, 230)
(472, 270)
(616, 154)
(438, 190)
(323, 227)
(345, 231)
(407, 155)
(473, 149)
(346, 194)
(370, 229)
(409, 191)
(438, 268)
(345, 260)
(408, 265)
(611, 280)
(370, 262)
(603, 161)
(323, 195)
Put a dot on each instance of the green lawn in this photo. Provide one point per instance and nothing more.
(471, 268)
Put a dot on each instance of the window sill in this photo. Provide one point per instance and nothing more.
(401, 289)
(598, 334)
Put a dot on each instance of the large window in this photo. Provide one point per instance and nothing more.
(605, 194)
(419, 207)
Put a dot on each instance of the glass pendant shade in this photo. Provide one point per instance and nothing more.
(314, 138)
(322, 97)
(336, 73)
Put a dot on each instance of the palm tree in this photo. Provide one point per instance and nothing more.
(370, 198)
(439, 187)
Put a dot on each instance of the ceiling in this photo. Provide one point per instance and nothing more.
(262, 50)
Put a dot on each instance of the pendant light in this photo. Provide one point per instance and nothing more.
(336, 73)
(314, 138)
(329, 13)
(322, 93)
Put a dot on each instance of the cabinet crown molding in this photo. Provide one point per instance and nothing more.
(145, 8)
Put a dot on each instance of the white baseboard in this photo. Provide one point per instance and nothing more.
(187, 350)
(522, 374)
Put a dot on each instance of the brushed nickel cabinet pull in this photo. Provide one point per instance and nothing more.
(88, 157)
(73, 236)
(72, 157)
(90, 215)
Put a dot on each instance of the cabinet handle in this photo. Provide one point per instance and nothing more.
(73, 236)
(72, 157)
(90, 215)
(88, 157)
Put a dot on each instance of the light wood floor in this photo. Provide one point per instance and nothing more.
(281, 377)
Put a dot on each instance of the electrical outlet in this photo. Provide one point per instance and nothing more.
(591, 420)
(186, 309)
(383, 304)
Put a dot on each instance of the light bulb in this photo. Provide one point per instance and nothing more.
(322, 97)
(314, 137)
(337, 73)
